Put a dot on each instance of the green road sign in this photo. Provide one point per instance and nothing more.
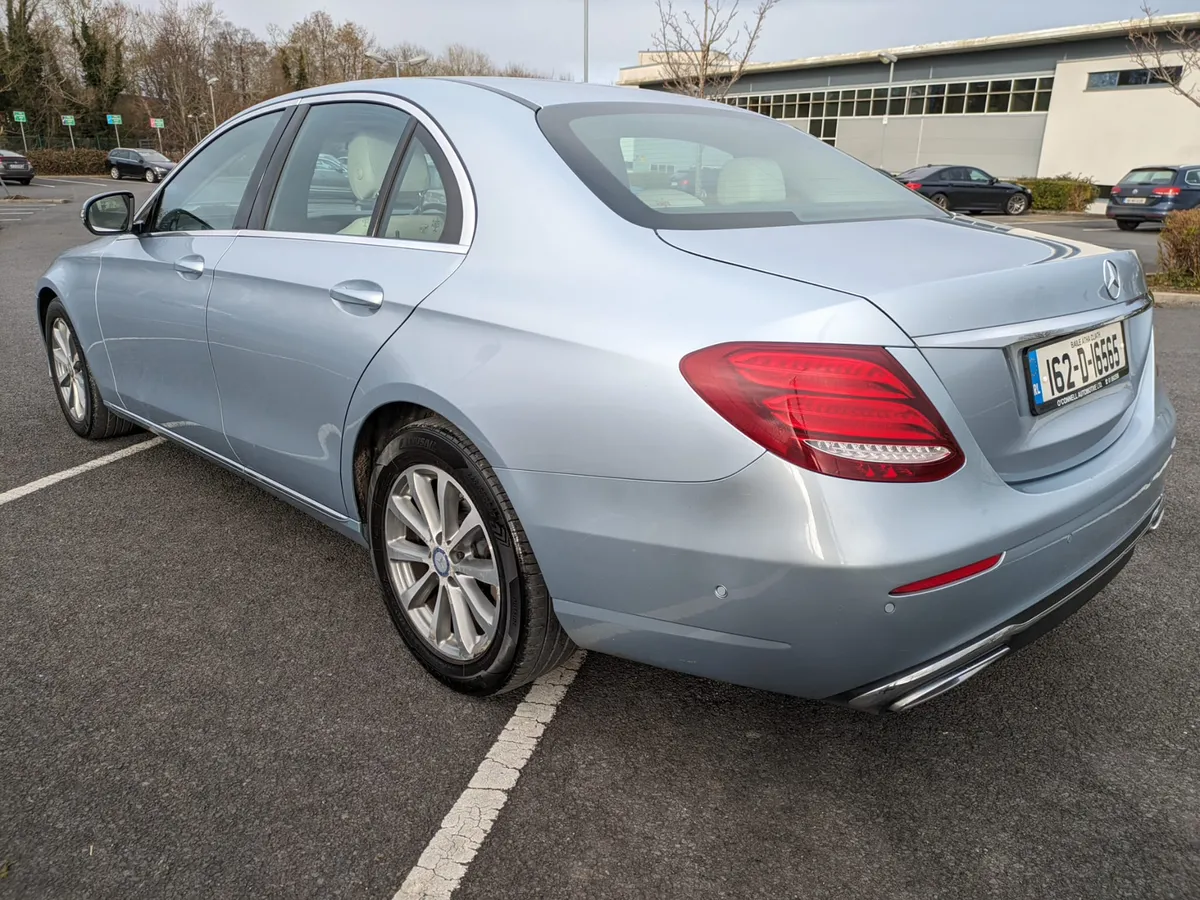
(114, 120)
(69, 121)
(158, 123)
(19, 116)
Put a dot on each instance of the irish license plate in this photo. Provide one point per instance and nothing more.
(1071, 368)
(1135, 200)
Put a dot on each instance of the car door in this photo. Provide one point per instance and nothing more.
(985, 193)
(154, 284)
(308, 294)
(950, 181)
(125, 162)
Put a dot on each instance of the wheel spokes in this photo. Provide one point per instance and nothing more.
(403, 507)
(481, 605)
(479, 569)
(400, 550)
(427, 502)
(468, 525)
(464, 622)
(417, 594)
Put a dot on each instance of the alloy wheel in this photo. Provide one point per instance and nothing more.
(68, 371)
(441, 563)
(115, 173)
(150, 176)
(1017, 204)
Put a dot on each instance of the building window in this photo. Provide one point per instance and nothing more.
(1003, 95)
(1105, 81)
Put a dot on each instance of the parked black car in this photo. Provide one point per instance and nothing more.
(1147, 194)
(149, 165)
(686, 180)
(15, 167)
(968, 189)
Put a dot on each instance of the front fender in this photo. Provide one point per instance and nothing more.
(72, 279)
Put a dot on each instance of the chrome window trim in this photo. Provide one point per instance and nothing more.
(397, 243)
(393, 243)
(465, 192)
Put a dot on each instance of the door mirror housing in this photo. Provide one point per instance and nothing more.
(110, 213)
(992, 179)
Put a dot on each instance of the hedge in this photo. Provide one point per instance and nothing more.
(1064, 193)
(1179, 248)
(69, 162)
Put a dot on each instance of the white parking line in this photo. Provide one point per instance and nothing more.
(26, 489)
(41, 180)
(442, 865)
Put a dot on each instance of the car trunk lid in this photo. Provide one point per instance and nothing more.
(974, 297)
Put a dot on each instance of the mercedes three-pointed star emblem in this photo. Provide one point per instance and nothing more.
(1112, 279)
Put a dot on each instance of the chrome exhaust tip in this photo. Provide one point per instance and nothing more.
(1156, 520)
(946, 682)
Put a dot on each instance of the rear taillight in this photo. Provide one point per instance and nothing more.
(1167, 191)
(846, 411)
(913, 185)
(1116, 189)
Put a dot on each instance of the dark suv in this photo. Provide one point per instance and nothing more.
(146, 164)
(1149, 193)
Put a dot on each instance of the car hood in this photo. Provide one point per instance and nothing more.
(930, 275)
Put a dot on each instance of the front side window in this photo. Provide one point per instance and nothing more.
(768, 173)
(206, 193)
(317, 194)
(979, 177)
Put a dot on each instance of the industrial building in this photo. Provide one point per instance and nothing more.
(1042, 103)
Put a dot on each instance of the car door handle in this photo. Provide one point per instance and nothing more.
(190, 266)
(358, 293)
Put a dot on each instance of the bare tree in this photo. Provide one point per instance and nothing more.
(704, 55)
(1170, 52)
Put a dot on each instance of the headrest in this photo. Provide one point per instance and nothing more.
(367, 158)
(749, 179)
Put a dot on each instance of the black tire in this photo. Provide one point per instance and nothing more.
(529, 640)
(1017, 205)
(1127, 224)
(114, 173)
(941, 200)
(25, 181)
(97, 422)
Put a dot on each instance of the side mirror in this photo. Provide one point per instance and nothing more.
(110, 213)
(992, 179)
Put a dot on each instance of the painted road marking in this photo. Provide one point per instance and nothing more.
(41, 180)
(26, 489)
(442, 865)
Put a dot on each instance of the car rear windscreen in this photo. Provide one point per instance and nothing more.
(768, 173)
(1149, 176)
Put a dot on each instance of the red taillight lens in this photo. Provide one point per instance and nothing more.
(1116, 189)
(847, 411)
(937, 581)
(1167, 191)
(913, 185)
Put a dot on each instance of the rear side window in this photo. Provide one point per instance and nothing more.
(423, 205)
(1192, 179)
(1149, 176)
(767, 173)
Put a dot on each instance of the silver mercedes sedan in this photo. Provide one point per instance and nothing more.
(787, 425)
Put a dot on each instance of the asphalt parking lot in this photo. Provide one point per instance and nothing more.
(1098, 230)
(204, 697)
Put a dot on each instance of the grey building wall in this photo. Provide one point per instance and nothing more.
(1007, 146)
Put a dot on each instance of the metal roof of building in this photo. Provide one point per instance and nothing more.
(971, 45)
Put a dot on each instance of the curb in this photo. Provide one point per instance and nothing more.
(1176, 300)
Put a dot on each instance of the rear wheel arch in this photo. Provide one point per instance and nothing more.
(384, 419)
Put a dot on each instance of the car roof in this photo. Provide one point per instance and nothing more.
(532, 92)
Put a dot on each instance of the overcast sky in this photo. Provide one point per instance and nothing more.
(548, 34)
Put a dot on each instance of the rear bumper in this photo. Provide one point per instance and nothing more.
(905, 690)
(1136, 214)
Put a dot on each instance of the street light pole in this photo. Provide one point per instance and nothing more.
(212, 99)
(889, 59)
(585, 41)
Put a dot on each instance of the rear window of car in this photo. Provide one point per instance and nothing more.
(767, 173)
(1149, 176)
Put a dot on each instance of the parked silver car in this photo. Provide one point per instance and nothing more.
(755, 436)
